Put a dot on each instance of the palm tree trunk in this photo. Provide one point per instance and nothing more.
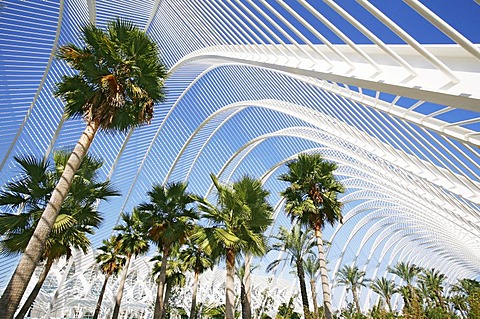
(355, 298)
(229, 285)
(314, 297)
(41, 279)
(194, 295)
(158, 312)
(463, 311)
(303, 289)
(327, 301)
(168, 291)
(389, 303)
(54, 299)
(118, 298)
(414, 303)
(243, 299)
(440, 300)
(23, 273)
(100, 297)
(247, 312)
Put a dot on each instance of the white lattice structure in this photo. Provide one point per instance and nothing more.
(251, 85)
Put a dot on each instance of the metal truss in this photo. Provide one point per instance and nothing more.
(251, 85)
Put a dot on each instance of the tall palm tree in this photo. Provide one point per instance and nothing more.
(459, 304)
(464, 297)
(353, 278)
(110, 263)
(434, 280)
(131, 241)
(297, 245)
(237, 221)
(174, 277)
(78, 215)
(120, 77)
(254, 197)
(197, 260)
(425, 295)
(385, 288)
(406, 296)
(408, 272)
(246, 306)
(312, 268)
(311, 198)
(170, 219)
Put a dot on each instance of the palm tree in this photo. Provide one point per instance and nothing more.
(174, 275)
(433, 280)
(466, 286)
(120, 78)
(237, 225)
(406, 296)
(78, 215)
(312, 267)
(131, 242)
(253, 195)
(197, 260)
(240, 272)
(169, 221)
(110, 263)
(311, 198)
(297, 245)
(353, 278)
(385, 288)
(459, 304)
(426, 295)
(408, 272)
(464, 297)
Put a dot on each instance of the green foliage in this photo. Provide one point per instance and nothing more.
(194, 258)
(474, 301)
(350, 312)
(287, 310)
(176, 312)
(296, 244)
(438, 313)
(378, 312)
(237, 224)
(213, 311)
(353, 278)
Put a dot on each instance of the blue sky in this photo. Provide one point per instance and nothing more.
(461, 14)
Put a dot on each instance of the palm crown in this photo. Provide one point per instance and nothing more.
(131, 240)
(120, 76)
(312, 194)
(169, 215)
(108, 259)
(32, 191)
(241, 216)
(297, 244)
